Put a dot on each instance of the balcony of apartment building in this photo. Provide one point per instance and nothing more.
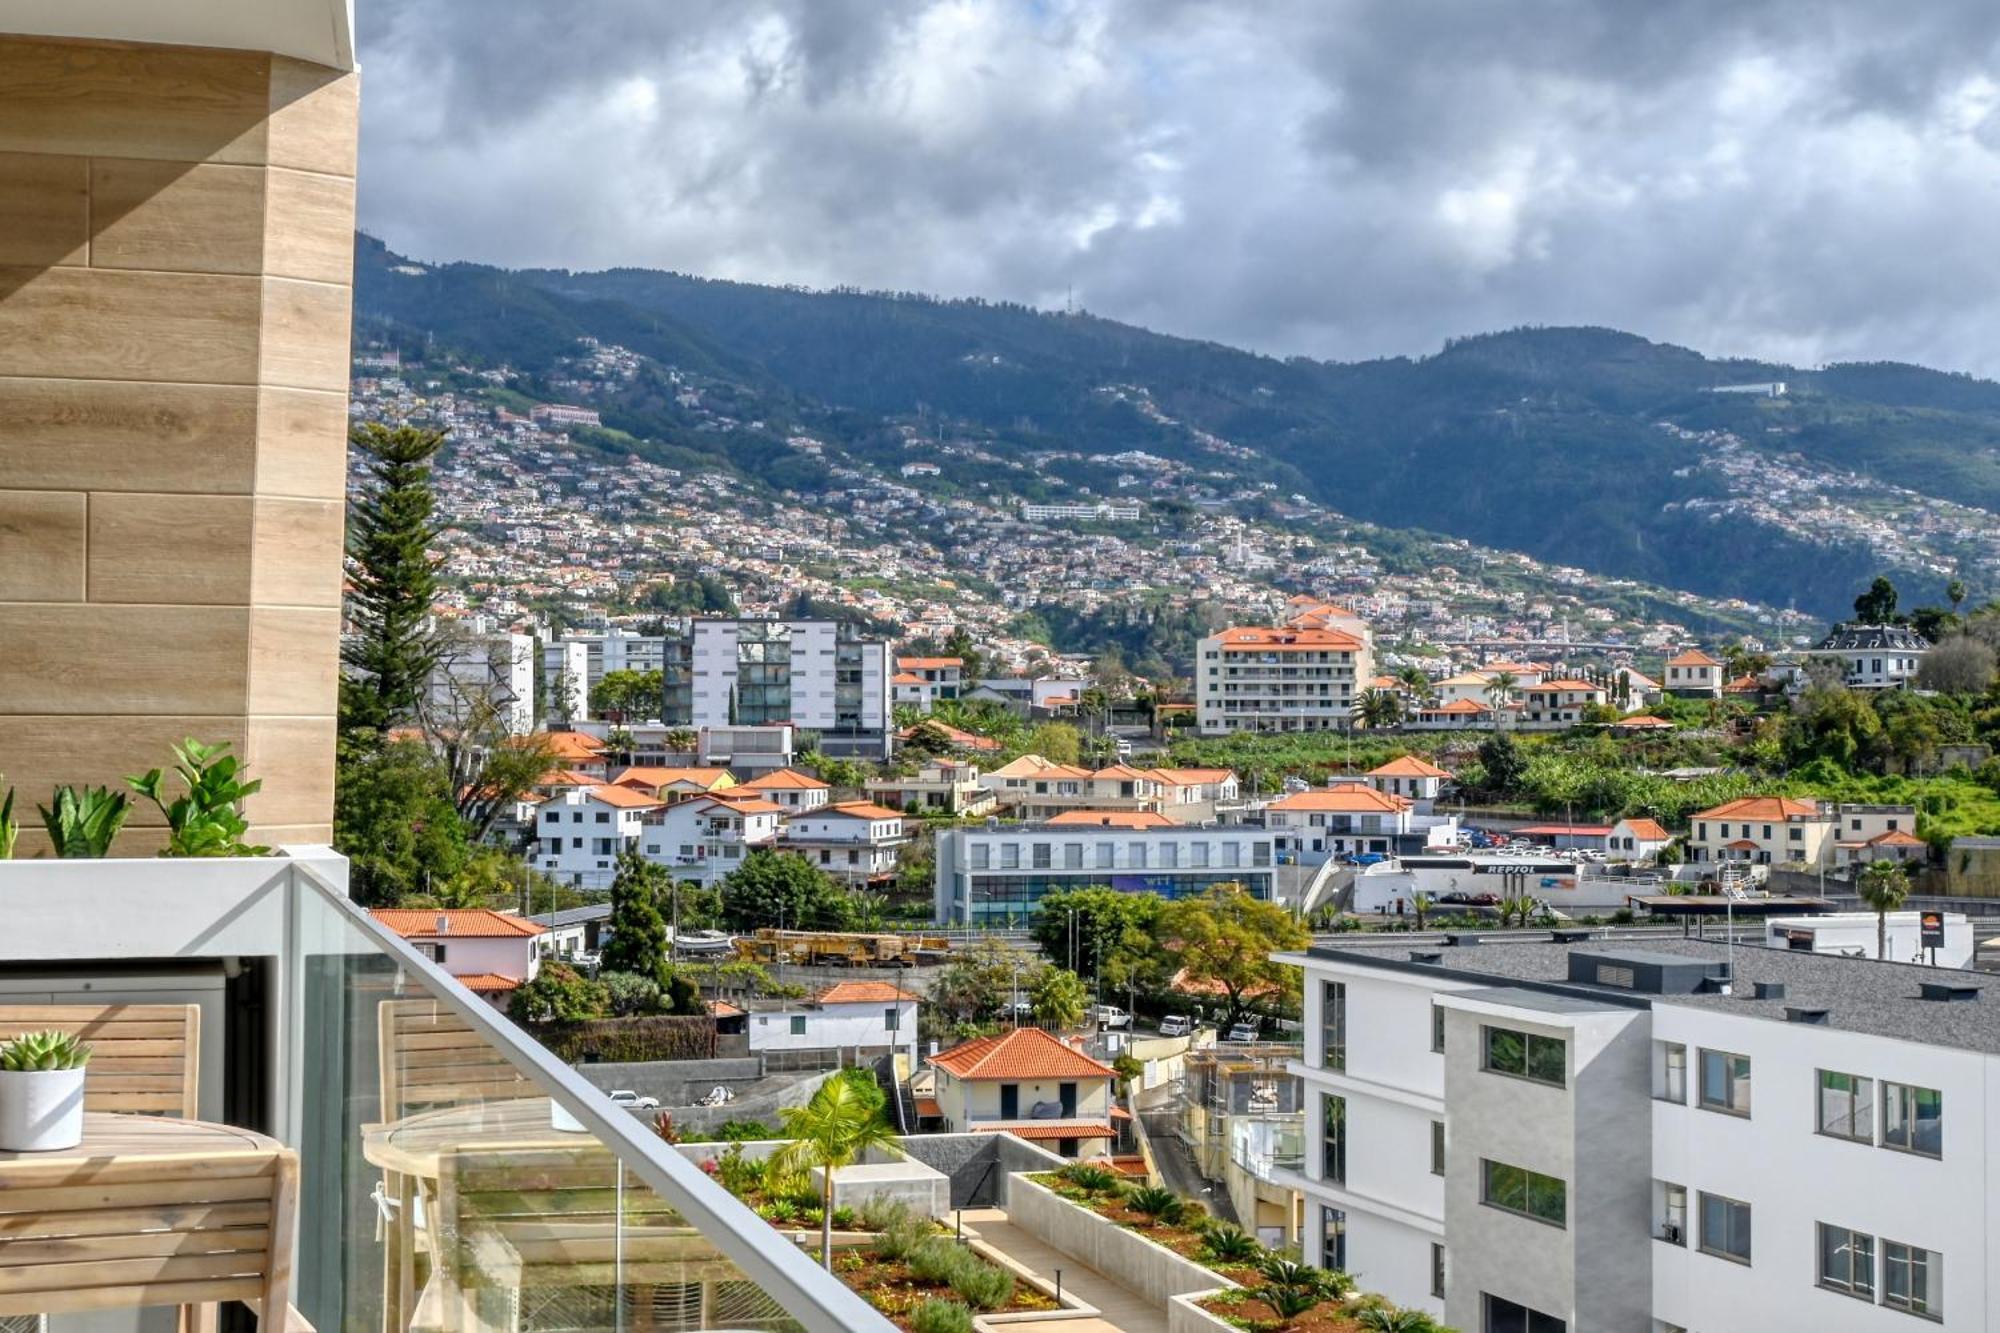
(450, 1173)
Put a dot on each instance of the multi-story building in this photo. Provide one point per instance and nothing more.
(580, 832)
(794, 792)
(858, 842)
(946, 785)
(998, 873)
(922, 681)
(1572, 1133)
(705, 838)
(491, 953)
(1032, 787)
(1874, 657)
(850, 1020)
(1124, 511)
(1556, 704)
(487, 671)
(1353, 818)
(1778, 830)
(578, 662)
(1694, 675)
(1279, 679)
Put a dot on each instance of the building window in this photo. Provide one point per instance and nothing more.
(1847, 1106)
(1041, 856)
(1107, 854)
(1516, 1189)
(1010, 856)
(1673, 1067)
(1333, 1155)
(798, 1025)
(1524, 1055)
(1913, 1119)
(1847, 1261)
(1912, 1279)
(982, 856)
(1437, 1026)
(1671, 1213)
(1437, 1270)
(1505, 1316)
(1333, 1239)
(1725, 1228)
(1072, 856)
(1136, 854)
(890, 1018)
(434, 952)
(1725, 1082)
(1437, 1147)
(1333, 1024)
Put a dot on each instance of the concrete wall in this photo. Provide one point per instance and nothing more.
(175, 261)
(980, 1165)
(1153, 1271)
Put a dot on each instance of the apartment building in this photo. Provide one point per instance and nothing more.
(705, 838)
(998, 873)
(1779, 830)
(487, 670)
(857, 842)
(1032, 787)
(580, 832)
(1571, 1133)
(1874, 657)
(1109, 511)
(1554, 705)
(1280, 679)
(579, 661)
(946, 785)
(1342, 819)
(922, 682)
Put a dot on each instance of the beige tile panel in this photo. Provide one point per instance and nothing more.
(111, 435)
(73, 323)
(41, 546)
(97, 659)
(294, 661)
(44, 209)
(294, 759)
(171, 549)
(176, 217)
(298, 552)
(39, 754)
(103, 99)
(309, 226)
(315, 117)
(301, 443)
(306, 327)
(291, 835)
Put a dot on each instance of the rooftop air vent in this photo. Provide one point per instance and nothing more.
(443, 924)
(1799, 1014)
(1769, 990)
(1425, 956)
(1460, 939)
(1944, 990)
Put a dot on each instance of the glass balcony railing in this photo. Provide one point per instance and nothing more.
(457, 1176)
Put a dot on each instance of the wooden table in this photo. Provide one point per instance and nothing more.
(414, 1145)
(148, 1211)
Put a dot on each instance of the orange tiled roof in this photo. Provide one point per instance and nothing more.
(905, 678)
(928, 663)
(1549, 685)
(1774, 808)
(1740, 845)
(1693, 657)
(1125, 819)
(1288, 640)
(745, 804)
(1408, 766)
(859, 810)
(1189, 777)
(785, 779)
(1648, 830)
(1022, 1053)
(568, 777)
(928, 1106)
(1348, 796)
(464, 923)
(1035, 1130)
(1896, 837)
(573, 746)
(1642, 722)
(486, 983)
(705, 778)
(1458, 708)
(624, 798)
(865, 992)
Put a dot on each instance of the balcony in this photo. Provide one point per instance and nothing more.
(453, 1174)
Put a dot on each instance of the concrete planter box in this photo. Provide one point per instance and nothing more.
(889, 1174)
(1184, 1316)
(1068, 1306)
(1141, 1265)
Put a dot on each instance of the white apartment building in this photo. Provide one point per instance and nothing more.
(582, 660)
(1779, 830)
(998, 873)
(1352, 818)
(1554, 705)
(705, 838)
(1109, 510)
(922, 681)
(1570, 1133)
(490, 668)
(1279, 679)
(1874, 657)
(855, 841)
(814, 674)
(580, 832)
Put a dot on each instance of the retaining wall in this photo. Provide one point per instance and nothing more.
(1136, 1263)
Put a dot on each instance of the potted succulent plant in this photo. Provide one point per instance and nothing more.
(41, 1092)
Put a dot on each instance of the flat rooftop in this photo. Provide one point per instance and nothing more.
(1858, 994)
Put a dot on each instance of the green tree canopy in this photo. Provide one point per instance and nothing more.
(781, 889)
(627, 696)
(1057, 742)
(394, 819)
(1877, 606)
(559, 993)
(1226, 937)
(637, 940)
(978, 984)
(1111, 931)
(1058, 998)
(391, 527)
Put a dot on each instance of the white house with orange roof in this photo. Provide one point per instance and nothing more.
(1346, 818)
(1555, 705)
(671, 784)
(1764, 830)
(1524, 673)
(1474, 687)
(491, 953)
(581, 831)
(1032, 787)
(922, 681)
(1452, 715)
(1693, 674)
(948, 786)
(579, 753)
(1287, 678)
(1189, 795)
(1878, 833)
(851, 1021)
(705, 838)
(856, 841)
(1637, 840)
(1031, 1084)
(1412, 777)
(788, 788)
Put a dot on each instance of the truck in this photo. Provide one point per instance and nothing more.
(839, 948)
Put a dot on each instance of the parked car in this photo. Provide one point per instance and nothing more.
(1111, 1016)
(627, 1097)
(1364, 858)
(1176, 1025)
(1244, 1031)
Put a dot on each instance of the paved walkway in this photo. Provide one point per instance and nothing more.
(1122, 1311)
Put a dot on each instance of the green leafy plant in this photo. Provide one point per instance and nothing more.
(941, 1317)
(1288, 1303)
(207, 820)
(981, 1285)
(843, 1218)
(736, 1173)
(83, 823)
(839, 1125)
(9, 830)
(1226, 1244)
(33, 1052)
(938, 1259)
(1090, 1179)
(1162, 1205)
(901, 1237)
(1279, 1271)
(1395, 1321)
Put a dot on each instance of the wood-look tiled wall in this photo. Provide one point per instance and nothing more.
(176, 236)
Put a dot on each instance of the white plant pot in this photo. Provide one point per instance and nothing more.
(41, 1110)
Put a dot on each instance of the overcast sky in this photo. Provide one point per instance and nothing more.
(1341, 178)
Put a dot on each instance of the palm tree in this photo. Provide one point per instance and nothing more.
(1955, 591)
(1884, 887)
(1417, 684)
(1379, 709)
(834, 1129)
(682, 740)
(1421, 903)
(1500, 688)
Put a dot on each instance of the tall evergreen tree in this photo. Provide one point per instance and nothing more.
(395, 580)
(638, 933)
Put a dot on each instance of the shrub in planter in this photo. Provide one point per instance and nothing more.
(1288, 1303)
(1383, 1320)
(1225, 1244)
(902, 1237)
(843, 1218)
(41, 1092)
(938, 1260)
(1090, 1179)
(879, 1212)
(982, 1285)
(1162, 1205)
(941, 1317)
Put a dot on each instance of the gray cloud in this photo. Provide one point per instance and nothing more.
(1344, 178)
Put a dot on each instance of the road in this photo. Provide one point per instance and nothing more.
(1177, 1167)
